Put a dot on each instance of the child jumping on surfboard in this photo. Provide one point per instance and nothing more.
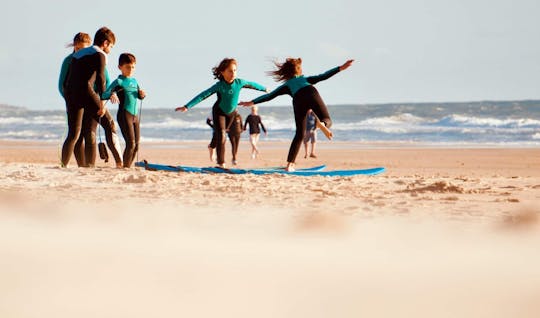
(224, 110)
(305, 96)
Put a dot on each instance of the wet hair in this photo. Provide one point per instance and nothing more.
(102, 35)
(126, 58)
(80, 37)
(222, 66)
(286, 70)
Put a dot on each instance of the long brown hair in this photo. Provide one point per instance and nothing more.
(286, 70)
(222, 66)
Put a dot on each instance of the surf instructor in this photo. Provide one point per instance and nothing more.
(85, 84)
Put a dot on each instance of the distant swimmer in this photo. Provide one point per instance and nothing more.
(253, 120)
(305, 96)
(227, 90)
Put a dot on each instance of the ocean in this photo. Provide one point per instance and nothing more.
(493, 123)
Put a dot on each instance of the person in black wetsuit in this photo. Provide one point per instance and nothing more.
(85, 83)
(234, 131)
(81, 41)
(253, 120)
(304, 94)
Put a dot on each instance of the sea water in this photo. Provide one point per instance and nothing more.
(504, 123)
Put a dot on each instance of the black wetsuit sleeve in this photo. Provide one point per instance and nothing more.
(321, 77)
(282, 90)
(246, 122)
(262, 126)
(209, 123)
(100, 75)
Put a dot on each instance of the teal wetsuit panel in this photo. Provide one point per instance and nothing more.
(127, 90)
(228, 94)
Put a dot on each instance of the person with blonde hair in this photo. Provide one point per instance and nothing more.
(253, 120)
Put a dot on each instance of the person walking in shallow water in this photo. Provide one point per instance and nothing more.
(253, 120)
(305, 96)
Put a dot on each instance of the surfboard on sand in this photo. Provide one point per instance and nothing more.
(305, 173)
(180, 168)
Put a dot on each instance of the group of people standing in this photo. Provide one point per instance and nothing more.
(84, 83)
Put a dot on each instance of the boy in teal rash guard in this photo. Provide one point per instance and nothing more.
(128, 91)
(305, 96)
(224, 110)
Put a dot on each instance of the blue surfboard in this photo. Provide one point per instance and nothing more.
(331, 173)
(155, 167)
(180, 168)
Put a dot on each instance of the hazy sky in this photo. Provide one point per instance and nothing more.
(405, 51)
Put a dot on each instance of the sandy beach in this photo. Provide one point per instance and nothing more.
(444, 232)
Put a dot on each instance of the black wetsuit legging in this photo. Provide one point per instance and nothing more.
(129, 125)
(221, 122)
(234, 132)
(81, 112)
(107, 122)
(306, 98)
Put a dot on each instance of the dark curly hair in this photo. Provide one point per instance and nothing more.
(222, 66)
(286, 70)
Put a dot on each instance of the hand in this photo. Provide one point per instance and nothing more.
(346, 65)
(182, 109)
(114, 99)
(142, 94)
(101, 111)
(246, 104)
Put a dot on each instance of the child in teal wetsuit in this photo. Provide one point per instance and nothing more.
(224, 110)
(128, 91)
(305, 96)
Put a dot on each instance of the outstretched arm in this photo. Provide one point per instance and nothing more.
(197, 99)
(346, 65)
(253, 85)
(281, 90)
(326, 75)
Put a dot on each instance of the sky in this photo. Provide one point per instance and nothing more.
(404, 51)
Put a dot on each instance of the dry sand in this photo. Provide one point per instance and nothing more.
(443, 233)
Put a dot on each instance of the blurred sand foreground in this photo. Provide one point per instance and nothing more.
(443, 233)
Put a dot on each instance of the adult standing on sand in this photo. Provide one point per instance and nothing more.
(84, 85)
(81, 41)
